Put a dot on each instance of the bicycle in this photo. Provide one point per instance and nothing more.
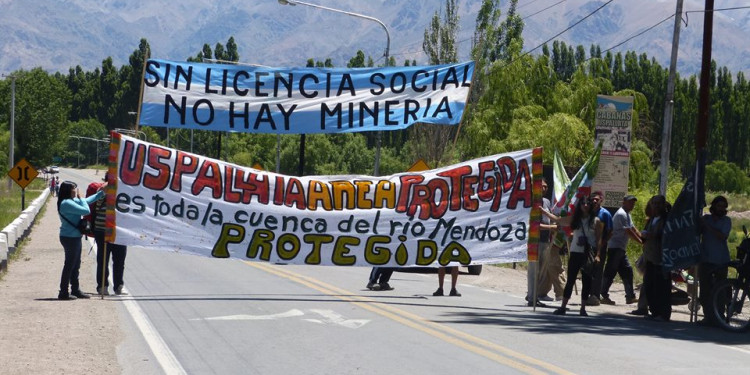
(731, 295)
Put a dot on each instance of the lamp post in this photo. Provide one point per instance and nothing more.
(387, 50)
(90, 139)
(134, 133)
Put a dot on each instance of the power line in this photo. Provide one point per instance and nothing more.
(637, 35)
(659, 23)
(410, 50)
(560, 33)
(534, 14)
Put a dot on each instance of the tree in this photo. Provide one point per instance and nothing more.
(232, 54)
(431, 142)
(440, 37)
(723, 176)
(42, 108)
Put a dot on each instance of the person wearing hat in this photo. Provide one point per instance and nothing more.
(617, 258)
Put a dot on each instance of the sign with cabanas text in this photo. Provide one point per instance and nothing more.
(473, 212)
(237, 98)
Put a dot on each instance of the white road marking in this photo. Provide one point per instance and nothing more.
(164, 356)
(328, 317)
(333, 317)
(288, 314)
(743, 350)
(162, 353)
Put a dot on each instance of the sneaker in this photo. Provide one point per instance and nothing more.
(607, 301)
(438, 292)
(118, 291)
(559, 311)
(558, 298)
(538, 304)
(386, 286)
(370, 285)
(101, 291)
(592, 301)
(80, 294)
(65, 296)
(545, 298)
(583, 312)
(455, 293)
(630, 300)
(639, 312)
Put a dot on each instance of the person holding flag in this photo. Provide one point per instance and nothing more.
(713, 267)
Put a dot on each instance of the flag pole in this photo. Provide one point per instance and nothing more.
(105, 265)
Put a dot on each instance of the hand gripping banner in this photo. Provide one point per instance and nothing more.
(469, 213)
(236, 98)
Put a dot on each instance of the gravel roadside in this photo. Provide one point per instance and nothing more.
(42, 335)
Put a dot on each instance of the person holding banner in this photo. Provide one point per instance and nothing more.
(441, 278)
(587, 234)
(104, 251)
(379, 277)
(70, 207)
(656, 283)
(713, 267)
(550, 264)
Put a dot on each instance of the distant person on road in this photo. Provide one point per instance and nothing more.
(70, 207)
(57, 185)
(52, 186)
(713, 266)
(117, 252)
(587, 230)
(617, 257)
(441, 277)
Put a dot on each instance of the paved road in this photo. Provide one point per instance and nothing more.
(187, 314)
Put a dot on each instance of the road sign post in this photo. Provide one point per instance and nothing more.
(23, 173)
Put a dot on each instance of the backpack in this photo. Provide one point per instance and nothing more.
(91, 190)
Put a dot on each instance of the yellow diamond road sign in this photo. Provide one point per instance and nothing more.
(419, 166)
(23, 173)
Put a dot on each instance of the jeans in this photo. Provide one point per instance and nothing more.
(597, 278)
(709, 275)
(72, 265)
(575, 264)
(618, 263)
(382, 273)
(118, 253)
(658, 287)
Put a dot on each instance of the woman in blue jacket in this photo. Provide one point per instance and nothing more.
(71, 206)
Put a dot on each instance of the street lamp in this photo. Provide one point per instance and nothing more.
(131, 132)
(90, 139)
(387, 49)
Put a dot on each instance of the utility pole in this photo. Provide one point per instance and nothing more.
(666, 135)
(701, 131)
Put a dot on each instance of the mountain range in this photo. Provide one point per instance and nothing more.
(59, 34)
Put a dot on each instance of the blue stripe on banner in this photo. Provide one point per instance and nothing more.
(302, 100)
